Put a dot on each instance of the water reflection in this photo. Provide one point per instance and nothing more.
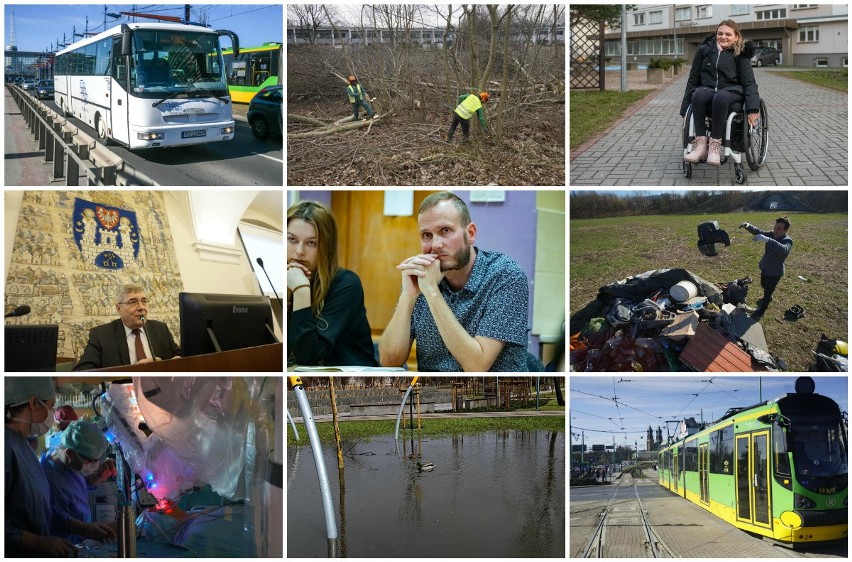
(499, 493)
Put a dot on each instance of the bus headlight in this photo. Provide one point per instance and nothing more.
(227, 130)
(803, 502)
(149, 136)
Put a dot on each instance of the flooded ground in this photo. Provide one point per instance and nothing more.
(491, 494)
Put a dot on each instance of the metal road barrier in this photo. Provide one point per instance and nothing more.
(71, 151)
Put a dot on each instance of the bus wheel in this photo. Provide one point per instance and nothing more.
(100, 127)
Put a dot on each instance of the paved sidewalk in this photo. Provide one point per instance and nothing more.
(808, 142)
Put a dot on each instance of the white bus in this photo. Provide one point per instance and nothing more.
(148, 84)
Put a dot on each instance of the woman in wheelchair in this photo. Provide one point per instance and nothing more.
(721, 75)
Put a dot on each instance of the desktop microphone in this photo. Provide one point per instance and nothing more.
(260, 263)
(22, 310)
(147, 337)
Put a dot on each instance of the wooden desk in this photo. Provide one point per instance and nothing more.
(263, 358)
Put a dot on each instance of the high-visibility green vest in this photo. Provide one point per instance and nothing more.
(354, 91)
(469, 106)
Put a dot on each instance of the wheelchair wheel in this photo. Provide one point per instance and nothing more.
(756, 140)
(687, 170)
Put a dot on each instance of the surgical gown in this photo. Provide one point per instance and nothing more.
(27, 495)
(69, 496)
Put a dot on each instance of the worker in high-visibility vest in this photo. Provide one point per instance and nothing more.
(466, 106)
(358, 98)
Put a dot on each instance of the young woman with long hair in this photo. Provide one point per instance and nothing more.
(721, 75)
(326, 318)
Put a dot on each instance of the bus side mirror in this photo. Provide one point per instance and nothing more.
(235, 41)
(126, 40)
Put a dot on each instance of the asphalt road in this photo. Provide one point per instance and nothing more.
(243, 161)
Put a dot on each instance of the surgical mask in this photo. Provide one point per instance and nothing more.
(89, 469)
(37, 429)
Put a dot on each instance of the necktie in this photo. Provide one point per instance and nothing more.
(140, 349)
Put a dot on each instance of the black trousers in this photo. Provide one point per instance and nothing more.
(719, 103)
(465, 125)
(768, 282)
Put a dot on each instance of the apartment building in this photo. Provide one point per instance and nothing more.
(805, 34)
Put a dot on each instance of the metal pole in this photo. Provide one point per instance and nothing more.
(402, 407)
(624, 47)
(292, 423)
(537, 391)
(674, 30)
(334, 422)
(322, 476)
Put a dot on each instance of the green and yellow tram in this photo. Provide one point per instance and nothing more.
(253, 69)
(777, 469)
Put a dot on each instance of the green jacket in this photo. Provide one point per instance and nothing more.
(479, 112)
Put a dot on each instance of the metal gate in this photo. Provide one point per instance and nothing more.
(586, 43)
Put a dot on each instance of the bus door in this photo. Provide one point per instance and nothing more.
(751, 458)
(119, 118)
(703, 469)
(675, 468)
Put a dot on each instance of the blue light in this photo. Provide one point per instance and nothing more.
(150, 477)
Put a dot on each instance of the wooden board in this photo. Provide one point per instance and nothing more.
(710, 351)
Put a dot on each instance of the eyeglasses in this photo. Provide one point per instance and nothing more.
(136, 302)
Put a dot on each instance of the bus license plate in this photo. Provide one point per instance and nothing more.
(194, 134)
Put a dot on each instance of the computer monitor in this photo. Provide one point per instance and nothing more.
(210, 322)
(31, 347)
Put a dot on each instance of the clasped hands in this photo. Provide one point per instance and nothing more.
(297, 275)
(426, 268)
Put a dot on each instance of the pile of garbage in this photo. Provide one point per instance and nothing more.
(669, 320)
(831, 355)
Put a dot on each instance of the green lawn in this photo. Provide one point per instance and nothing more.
(606, 250)
(837, 79)
(592, 111)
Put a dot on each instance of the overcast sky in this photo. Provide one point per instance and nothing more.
(647, 400)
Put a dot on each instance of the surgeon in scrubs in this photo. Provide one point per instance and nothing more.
(76, 457)
(29, 519)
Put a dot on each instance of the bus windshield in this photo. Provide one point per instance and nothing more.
(177, 62)
(819, 452)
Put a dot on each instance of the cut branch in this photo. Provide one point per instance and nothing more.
(332, 129)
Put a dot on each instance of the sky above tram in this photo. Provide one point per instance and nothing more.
(38, 26)
(622, 407)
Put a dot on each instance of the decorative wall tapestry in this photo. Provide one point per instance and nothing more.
(74, 250)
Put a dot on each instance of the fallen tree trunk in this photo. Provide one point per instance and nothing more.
(332, 129)
(305, 119)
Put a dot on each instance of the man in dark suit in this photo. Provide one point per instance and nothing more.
(125, 341)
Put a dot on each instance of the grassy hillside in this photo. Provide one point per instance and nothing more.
(606, 250)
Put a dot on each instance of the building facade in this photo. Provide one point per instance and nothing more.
(809, 35)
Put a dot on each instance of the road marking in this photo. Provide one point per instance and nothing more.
(270, 157)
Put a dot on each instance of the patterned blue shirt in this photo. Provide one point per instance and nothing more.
(493, 303)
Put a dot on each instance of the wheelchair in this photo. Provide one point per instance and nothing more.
(739, 139)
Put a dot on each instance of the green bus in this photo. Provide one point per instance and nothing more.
(253, 69)
(777, 469)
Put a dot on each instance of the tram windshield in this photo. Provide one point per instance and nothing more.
(819, 454)
(177, 62)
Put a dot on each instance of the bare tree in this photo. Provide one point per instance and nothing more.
(307, 17)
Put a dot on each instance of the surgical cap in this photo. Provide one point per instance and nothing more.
(84, 438)
(20, 389)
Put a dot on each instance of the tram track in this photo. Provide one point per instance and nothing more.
(625, 530)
